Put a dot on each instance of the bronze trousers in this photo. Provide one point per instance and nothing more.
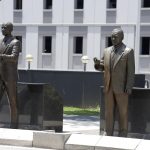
(119, 101)
(10, 88)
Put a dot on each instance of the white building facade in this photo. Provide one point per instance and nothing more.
(57, 33)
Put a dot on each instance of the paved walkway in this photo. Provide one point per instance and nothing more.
(82, 124)
(71, 123)
(90, 125)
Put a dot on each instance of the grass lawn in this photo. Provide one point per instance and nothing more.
(82, 111)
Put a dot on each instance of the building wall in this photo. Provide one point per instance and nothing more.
(63, 23)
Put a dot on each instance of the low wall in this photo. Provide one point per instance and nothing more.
(77, 88)
(39, 106)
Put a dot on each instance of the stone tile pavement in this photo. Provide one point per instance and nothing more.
(82, 124)
(79, 133)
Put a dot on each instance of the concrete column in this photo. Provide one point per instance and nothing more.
(65, 48)
(32, 11)
(97, 11)
(32, 44)
(93, 45)
(100, 11)
(137, 38)
(130, 40)
(62, 42)
(68, 12)
(127, 11)
(89, 15)
(58, 11)
(129, 35)
(6, 11)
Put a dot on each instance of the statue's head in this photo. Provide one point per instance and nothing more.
(7, 28)
(117, 36)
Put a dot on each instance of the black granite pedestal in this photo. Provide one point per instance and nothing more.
(40, 107)
(138, 114)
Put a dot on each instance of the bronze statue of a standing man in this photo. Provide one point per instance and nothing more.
(9, 52)
(119, 69)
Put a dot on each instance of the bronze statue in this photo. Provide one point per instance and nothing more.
(9, 52)
(119, 69)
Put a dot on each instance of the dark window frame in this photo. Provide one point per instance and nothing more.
(145, 45)
(78, 44)
(47, 44)
(108, 41)
(19, 37)
(146, 3)
(79, 4)
(18, 4)
(111, 4)
(48, 4)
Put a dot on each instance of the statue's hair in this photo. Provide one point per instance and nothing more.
(120, 31)
(8, 25)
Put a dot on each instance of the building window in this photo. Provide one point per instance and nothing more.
(108, 42)
(78, 45)
(20, 39)
(146, 3)
(145, 45)
(47, 44)
(47, 4)
(79, 4)
(111, 3)
(17, 4)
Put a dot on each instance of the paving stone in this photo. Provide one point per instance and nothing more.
(117, 143)
(144, 145)
(82, 142)
(5, 147)
(50, 139)
(16, 137)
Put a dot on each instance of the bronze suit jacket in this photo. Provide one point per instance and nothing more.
(8, 63)
(121, 76)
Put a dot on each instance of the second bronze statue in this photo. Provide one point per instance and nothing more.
(119, 69)
(9, 52)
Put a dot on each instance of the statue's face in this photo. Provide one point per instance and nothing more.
(116, 38)
(5, 30)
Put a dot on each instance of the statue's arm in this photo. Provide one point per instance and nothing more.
(13, 57)
(130, 72)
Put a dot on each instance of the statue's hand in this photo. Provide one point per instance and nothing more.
(96, 61)
(128, 91)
